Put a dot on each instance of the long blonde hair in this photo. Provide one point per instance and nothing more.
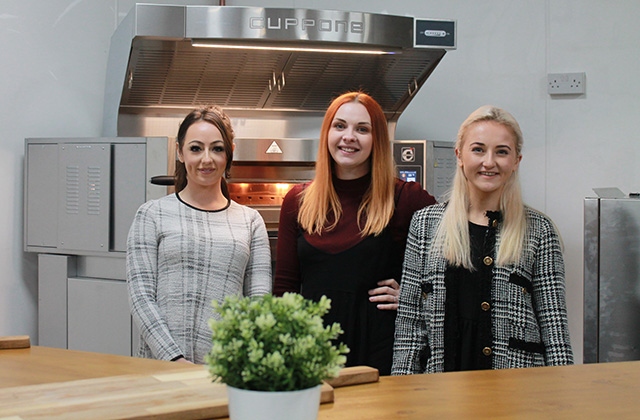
(452, 237)
(320, 199)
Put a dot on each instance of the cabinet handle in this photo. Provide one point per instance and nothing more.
(281, 82)
(272, 82)
(412, 88)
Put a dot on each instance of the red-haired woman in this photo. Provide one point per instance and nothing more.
(343, 235)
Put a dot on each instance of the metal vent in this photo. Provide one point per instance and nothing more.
(182, 76)
(314, 80)
(179, 75)
(94, 178)
(72, 190)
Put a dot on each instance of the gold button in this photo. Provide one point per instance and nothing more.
(485, 306)
(487, 260)
(424, 295)
(524, 290)
(494, 223)
(487, 351)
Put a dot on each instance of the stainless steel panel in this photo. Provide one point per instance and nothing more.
(167, 21)
(619, 285)
(275, 150)
(591, 277)
(304, 25)
(272, 126)
(273, 173)
(612, 279)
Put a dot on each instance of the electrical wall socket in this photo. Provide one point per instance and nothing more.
(566, 83)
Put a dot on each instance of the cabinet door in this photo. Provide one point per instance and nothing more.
(98, 316)
(129, 188)
(53, 272)
(41, 189)
(84, 211)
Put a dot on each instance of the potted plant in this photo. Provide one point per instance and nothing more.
(269, 348)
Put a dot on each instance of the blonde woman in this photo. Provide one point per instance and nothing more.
(343, 234)
(483, 278)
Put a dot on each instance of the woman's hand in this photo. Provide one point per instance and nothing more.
(387, 294)
(183, 360)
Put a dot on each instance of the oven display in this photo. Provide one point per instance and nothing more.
(408, 175)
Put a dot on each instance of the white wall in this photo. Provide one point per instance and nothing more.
(52, 77)
(591, 141)
(51, 84)
(52, 81)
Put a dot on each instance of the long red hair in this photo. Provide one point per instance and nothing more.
(320, 199)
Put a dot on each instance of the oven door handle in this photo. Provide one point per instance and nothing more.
(163, 180)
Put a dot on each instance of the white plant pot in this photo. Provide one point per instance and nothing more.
(271, 405)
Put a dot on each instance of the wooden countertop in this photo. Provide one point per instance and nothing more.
(592, 391)
(43, 365)
(606, 390)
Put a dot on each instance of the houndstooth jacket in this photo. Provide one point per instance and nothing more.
(529, 316)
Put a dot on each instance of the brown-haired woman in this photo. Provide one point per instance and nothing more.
(195, 246)
(343, 235)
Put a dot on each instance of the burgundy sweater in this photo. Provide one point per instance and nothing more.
(409, 197)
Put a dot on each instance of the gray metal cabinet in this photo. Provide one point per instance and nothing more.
(611, 279)
(81, 195)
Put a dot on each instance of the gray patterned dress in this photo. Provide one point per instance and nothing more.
(180, 259)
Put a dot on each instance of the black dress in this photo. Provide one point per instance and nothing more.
(346, 278)
(468, 339)
(344, 266)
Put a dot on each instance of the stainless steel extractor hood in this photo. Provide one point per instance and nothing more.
(262, 64)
